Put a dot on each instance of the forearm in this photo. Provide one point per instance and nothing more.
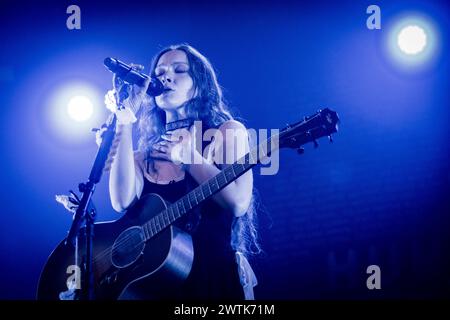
(122, 179)
(235, 197)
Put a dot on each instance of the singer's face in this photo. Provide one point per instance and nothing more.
(172, 70)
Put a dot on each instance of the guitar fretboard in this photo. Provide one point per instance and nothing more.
(205, 190)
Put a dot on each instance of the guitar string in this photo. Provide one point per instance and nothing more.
(126, 238)
(123, 241)
(112, 249)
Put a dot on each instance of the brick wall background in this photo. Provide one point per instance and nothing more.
(332, 212)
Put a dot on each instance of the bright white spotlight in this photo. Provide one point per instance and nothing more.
(74, 108)
(412, 40)
(80, 108)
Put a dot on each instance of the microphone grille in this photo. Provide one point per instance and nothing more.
(109, 62)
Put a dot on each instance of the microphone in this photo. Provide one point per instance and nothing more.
(130, 76)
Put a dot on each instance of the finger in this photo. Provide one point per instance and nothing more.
(158, 155)
(166, 145)
(163, 143)
(117, 82)
(136, 66)
(172, 137)
(136, 88)
(147, 83)
(167, 137)
(160, 148)
(124, 92)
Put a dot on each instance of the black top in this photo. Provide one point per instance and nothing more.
(214, 272)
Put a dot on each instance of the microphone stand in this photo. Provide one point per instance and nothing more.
(85, 212)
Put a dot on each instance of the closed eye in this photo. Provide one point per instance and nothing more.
(177, 67)
(181, 69)
(159, 72)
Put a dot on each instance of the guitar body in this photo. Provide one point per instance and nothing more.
(133, 262)
(133, 268)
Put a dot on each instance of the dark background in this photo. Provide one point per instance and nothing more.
(378, 195)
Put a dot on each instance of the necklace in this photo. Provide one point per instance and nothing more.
(183, 123)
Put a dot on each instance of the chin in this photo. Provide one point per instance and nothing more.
(169, 105)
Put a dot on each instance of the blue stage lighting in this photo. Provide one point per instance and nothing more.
(80, 108)
(74, 109)
(412, 41)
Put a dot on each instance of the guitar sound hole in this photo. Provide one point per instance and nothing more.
(128, 247)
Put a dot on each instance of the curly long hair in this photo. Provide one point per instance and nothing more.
(208, 106)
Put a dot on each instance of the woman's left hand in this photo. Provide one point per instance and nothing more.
(176, 146)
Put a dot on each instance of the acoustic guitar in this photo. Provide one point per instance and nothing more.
(143, 255)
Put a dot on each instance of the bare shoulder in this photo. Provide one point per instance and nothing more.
(231, 124)
(233, 135)
(232, 129)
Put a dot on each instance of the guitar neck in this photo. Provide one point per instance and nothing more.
(322, 123)
(210, 187)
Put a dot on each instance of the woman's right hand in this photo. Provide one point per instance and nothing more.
(126, 95)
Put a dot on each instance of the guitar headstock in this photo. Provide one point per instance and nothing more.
(321, 124)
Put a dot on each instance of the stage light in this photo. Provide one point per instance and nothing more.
(412, 39)
(80, 108)
(74, 109)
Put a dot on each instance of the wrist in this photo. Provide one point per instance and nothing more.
(120, 127)
(124, 111)
(125, 116)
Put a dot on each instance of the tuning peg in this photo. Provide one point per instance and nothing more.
(315, 143)
(330, 137)
(300, 151)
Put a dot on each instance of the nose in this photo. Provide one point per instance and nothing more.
(165, 78)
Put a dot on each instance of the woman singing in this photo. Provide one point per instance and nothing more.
(222, 228)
